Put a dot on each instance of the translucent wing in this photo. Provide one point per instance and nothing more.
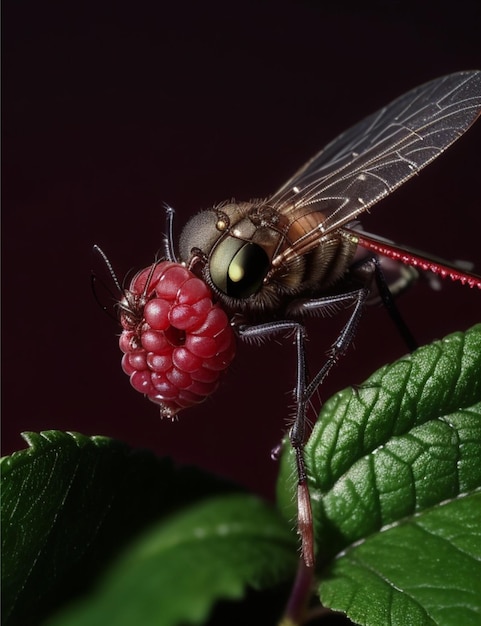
(378, 154)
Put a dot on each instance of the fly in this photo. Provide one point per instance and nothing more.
(270, 263)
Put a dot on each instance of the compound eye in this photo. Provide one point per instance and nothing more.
(238, 268)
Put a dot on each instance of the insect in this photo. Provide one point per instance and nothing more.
(270, 263)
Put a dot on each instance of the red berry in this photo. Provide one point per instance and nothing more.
(176, 341)
(156, 314)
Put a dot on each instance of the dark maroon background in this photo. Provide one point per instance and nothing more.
(111, 109)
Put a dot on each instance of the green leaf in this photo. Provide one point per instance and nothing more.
(69, 503)
(402, 448)
(176, 573)
(424, 571)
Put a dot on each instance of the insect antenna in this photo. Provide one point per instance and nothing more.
(94, 280)
(169, 250)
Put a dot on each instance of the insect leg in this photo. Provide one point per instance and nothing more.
(303, 392)
(372, 267)
(297, 437)
(297, 433)
(390, 304)
(344, 338)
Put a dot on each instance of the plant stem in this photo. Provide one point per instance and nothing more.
(295, 611)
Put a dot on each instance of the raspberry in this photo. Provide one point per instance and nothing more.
(176, 341)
